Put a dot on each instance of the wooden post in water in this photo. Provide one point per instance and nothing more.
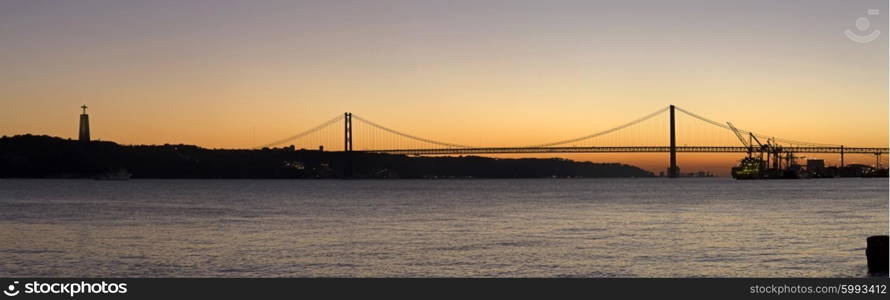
(877, 254)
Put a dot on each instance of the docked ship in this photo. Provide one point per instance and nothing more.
(749, 168)
(755, 168)
(782, 164)
(779, 164)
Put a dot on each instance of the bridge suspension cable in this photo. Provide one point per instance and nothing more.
(337, 119)
(405, 135)
(610, 130)
(724, 126)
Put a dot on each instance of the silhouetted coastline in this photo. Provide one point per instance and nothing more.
(33, 156)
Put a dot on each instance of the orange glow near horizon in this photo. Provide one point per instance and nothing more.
(486, 74)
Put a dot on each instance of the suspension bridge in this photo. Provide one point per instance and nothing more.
(657, 132)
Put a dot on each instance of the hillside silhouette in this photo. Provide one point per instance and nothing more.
(32, 156)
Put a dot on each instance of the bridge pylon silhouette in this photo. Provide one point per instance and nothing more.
(347, 135)
(673, 170)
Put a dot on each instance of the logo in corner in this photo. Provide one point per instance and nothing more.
(11, 291)
(862, 25)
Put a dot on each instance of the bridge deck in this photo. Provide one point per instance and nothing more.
(636, 149)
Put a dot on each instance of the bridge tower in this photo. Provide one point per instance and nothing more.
(347, 142)
(842, 156)
(673, 171)
(347, 145)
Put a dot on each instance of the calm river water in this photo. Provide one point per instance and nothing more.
(422, 228)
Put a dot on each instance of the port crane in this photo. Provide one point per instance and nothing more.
(738, 134)
(749, 144)
(771, 149)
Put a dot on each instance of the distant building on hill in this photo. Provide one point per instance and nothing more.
(84, 125)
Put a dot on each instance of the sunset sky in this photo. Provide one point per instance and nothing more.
(237, 74)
